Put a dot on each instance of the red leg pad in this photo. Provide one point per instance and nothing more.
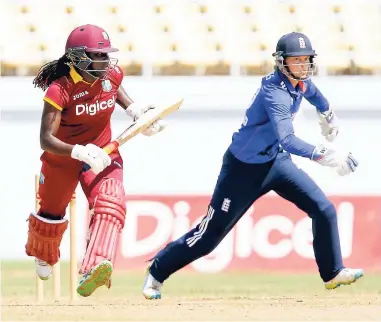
(44, 238)
(106, 224)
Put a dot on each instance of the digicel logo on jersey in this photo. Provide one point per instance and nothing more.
(92, 109)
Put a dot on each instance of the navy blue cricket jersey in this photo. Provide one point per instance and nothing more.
(267, 125)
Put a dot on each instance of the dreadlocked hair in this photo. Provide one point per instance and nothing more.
(51, 71)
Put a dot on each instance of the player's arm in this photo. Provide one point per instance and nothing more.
(327, 118)
(123, 99)
(277, 103)
(91, 154)
(132, 109)
(50, 122)
(313, 95)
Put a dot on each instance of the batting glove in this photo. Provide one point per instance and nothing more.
(135, 111)
(329, 126)
(92, 155)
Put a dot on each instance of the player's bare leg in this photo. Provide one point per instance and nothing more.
(105, 228)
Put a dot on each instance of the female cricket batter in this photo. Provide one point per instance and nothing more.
(82, 89)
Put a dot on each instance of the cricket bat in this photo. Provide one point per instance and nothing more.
(138, 126)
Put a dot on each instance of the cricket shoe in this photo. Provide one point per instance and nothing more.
(43, 269)
(151, 287)
(346, 276)
(98, 276)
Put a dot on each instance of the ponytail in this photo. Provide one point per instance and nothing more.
(49, 72)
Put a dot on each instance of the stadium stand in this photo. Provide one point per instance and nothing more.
(205, 37)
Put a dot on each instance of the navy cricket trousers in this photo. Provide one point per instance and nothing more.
(238, 186)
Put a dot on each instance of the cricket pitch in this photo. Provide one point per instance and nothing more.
(187, 296)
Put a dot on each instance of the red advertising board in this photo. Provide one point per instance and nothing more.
(272, 235)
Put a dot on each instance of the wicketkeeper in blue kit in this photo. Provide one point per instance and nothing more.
(258, 160)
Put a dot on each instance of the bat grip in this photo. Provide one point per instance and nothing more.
(85, 167)
(112, 146)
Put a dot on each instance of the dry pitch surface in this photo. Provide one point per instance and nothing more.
(194, 297)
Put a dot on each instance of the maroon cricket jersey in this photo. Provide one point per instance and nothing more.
(86, 107)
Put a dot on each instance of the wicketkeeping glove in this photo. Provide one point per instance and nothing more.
(326, 157)
(330, 158)
(329, 126)
(348, 166)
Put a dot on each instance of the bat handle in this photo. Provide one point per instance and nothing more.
(112, 146)
(85, 167)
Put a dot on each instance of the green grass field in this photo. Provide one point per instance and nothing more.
(240, 296)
